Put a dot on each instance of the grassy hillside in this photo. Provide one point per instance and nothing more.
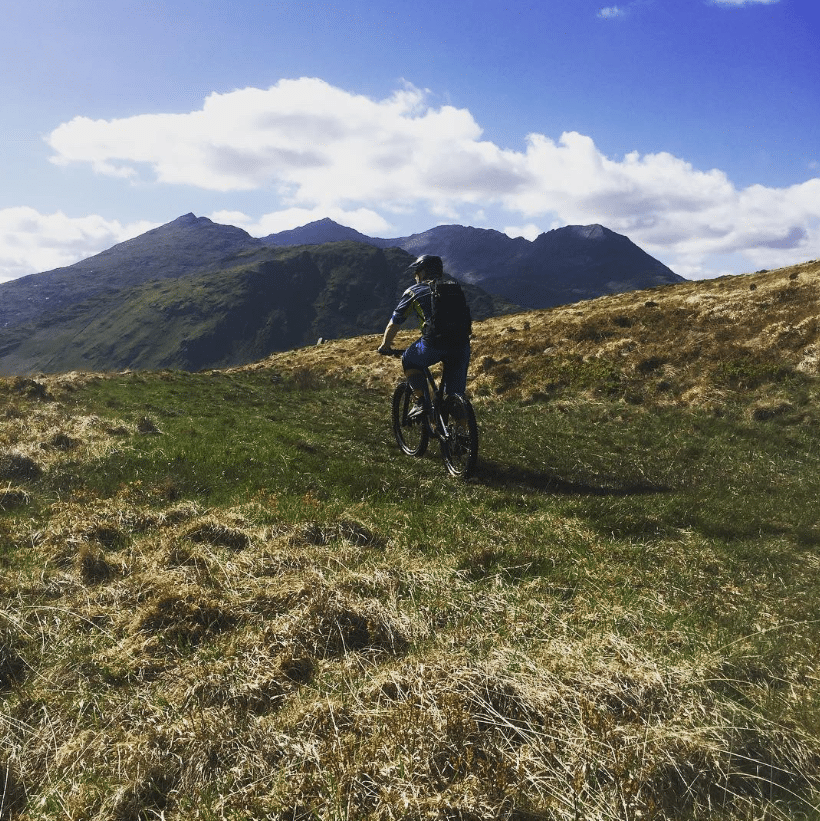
(226, 595)
(256, 302)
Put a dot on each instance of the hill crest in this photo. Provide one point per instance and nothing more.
(691, 343)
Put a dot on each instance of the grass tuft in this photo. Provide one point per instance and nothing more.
(18, 467)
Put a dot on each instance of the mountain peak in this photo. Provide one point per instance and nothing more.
(188, 219)
(186, 245)
(595, 231)
(317, 233)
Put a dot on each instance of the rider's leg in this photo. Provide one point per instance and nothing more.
(415, 359)
(417, 382)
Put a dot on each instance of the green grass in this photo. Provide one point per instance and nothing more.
(270, 612)
(691, 503)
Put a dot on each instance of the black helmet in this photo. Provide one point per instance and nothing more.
(430, 265)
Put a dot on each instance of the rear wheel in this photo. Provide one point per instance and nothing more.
(411, 434)
(459, 448)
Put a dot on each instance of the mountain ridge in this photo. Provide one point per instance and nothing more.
(563, 265)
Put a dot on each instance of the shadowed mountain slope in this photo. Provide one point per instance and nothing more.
(237, 311)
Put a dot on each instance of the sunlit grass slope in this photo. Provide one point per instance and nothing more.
(227, 595)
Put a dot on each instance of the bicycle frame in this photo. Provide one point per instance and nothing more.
(438, 428)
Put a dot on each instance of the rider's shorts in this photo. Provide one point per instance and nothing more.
(456, 361)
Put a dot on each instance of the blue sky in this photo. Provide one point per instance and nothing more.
(690, 126)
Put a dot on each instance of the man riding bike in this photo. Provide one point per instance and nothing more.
(443, 339)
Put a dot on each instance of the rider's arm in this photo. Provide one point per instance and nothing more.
(389, 335)
(408, 300)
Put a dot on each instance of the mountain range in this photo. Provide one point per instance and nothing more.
(194, 294)
(561, 266)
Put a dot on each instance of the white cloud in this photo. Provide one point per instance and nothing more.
(31, 242)
(611, 11)
(529, 231)
(394, 151)
(743, 2)
(320, 151)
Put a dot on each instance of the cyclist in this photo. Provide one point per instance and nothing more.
(430, 348)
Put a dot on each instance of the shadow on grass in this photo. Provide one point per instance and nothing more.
(495, 474)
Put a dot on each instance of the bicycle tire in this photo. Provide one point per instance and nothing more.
(459, 448)
(411, 434)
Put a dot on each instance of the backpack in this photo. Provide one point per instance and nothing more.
(450, 319)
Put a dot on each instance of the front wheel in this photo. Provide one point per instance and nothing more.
(459, 447)
(411, 434)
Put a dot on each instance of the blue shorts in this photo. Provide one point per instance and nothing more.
(422, 355)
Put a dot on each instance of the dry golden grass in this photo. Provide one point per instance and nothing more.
(267, 671)
(264, 671)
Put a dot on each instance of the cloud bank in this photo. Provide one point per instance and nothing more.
(31, 242)
(318, 151)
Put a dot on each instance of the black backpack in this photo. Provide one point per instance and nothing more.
(450, 321)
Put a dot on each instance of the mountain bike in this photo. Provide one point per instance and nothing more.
(450, 419)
